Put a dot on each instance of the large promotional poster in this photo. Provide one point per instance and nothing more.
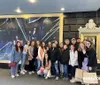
(39, 28)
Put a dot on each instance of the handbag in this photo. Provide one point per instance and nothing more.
(30, 58)
(12, 64)
(79, 75)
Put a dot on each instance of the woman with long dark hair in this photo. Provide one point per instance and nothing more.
(92, 60)
(15, 58)
(31, 58)
(73, 62)
(45, 68)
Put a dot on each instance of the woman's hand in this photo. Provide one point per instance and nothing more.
(84, 51)
(90, 68)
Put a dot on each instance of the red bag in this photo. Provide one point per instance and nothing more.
(12, 64)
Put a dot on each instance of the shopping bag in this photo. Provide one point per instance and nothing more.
(79, 75)
(90, 78)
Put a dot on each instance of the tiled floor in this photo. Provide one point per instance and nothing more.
(28, 80)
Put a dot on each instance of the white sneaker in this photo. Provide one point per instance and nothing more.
(46, 77)
(12, 76)
(57, 78)
(72, 80)
(22, 72)
(25, 71)
(30, 73)
(33, 72)
(17, 75)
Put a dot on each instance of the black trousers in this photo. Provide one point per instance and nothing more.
(73, 70)
(52, 69)
(32, 65)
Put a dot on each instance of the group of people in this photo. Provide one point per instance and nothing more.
(53, 59)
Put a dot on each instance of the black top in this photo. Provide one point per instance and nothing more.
(91, 53)
(81, 57)
(35, 52)
(65, 57)
(54, 54)
(60, 53)
(48, 52)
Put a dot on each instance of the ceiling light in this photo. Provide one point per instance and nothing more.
(18, 10)
(32, 1)
(62, 9)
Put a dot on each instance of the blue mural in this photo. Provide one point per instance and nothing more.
(45, 29)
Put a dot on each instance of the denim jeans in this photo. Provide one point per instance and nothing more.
(23, 60)
(56, 64)
(14, 69)
(64, 70)
(38, 64)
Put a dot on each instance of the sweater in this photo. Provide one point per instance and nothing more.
(73, 61)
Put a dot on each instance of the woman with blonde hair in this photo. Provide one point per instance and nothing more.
(82, 57)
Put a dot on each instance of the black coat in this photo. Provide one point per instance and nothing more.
(60, 53)
(65, 57)
(35, 52)
(54, 54)
(91, 53)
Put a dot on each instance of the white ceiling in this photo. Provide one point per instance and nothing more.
(48, 6)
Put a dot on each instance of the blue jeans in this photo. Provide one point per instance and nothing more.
(56, 64)
(38, 64)
(64, 70)
(23, 60)
(14, 69)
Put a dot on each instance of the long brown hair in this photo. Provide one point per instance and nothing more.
(18, 47)
(32, 42)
